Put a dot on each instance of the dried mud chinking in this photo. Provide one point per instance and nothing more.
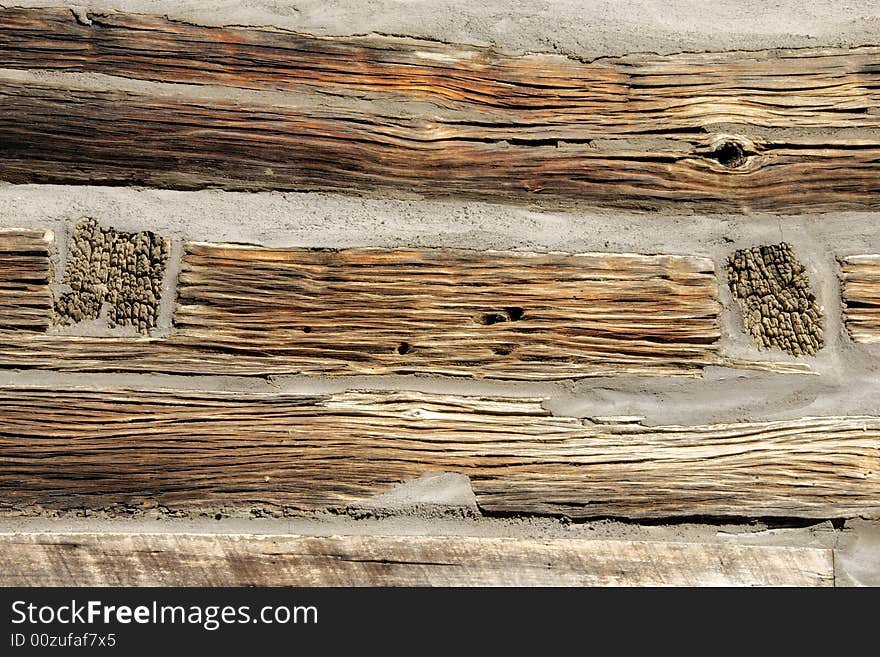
(123, 270)
(778, 304)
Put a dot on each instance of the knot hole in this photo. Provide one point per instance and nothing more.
(729, 154)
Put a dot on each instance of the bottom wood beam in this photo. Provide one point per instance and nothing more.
(90, 559)
(190, 450)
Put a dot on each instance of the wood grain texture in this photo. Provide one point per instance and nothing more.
(257, 311)
(517, 315)
(69, 448)
(492, 314)
(861, 297)
(25, 273)
(787, 130)
(82, 559)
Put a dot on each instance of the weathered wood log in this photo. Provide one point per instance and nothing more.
(710, 131)
(25, 273)
(861, 297)
(777, 88)
(500, 315)
(254, 311)
(517, 315)
(68, 449)
(83, 559)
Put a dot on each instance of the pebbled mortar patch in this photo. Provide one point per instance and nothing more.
(122, 271)
(777, 301)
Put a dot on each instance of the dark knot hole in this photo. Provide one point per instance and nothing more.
(729, 154)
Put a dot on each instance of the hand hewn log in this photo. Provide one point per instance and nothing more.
(185, 450)
(710, 131)
(487, 314)
(87, 559)
(519, 315)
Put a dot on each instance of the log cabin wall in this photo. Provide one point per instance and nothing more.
(591, 303)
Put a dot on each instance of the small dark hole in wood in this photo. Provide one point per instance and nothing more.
(219, 516)
(502, 351)
(403, 348)
(307, 329)
(511, 314)
(729, 154)
(515, 313)
(487, 319)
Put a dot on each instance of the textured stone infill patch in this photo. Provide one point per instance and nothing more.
(122, 271)
(778, 304)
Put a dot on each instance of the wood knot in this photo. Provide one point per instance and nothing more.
(730, 151)
(729, 154)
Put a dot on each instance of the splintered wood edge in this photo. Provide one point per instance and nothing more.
(774, 366)
(701, 264)
(176, 559)
(43, 234)
(860, 293)
(861, 259)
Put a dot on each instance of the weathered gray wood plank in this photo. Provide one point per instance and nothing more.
(80, 559)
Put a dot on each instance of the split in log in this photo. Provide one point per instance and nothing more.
(82, 559)
(861, 297)
(186, 450)
(266, 109)
(25, 273)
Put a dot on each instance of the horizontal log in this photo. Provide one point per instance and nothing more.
(25, 272)
(82, 559)
(813, 88)
(501, 315)
(861, 297)
(70, 448)
(734, 131)
(257, 311)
